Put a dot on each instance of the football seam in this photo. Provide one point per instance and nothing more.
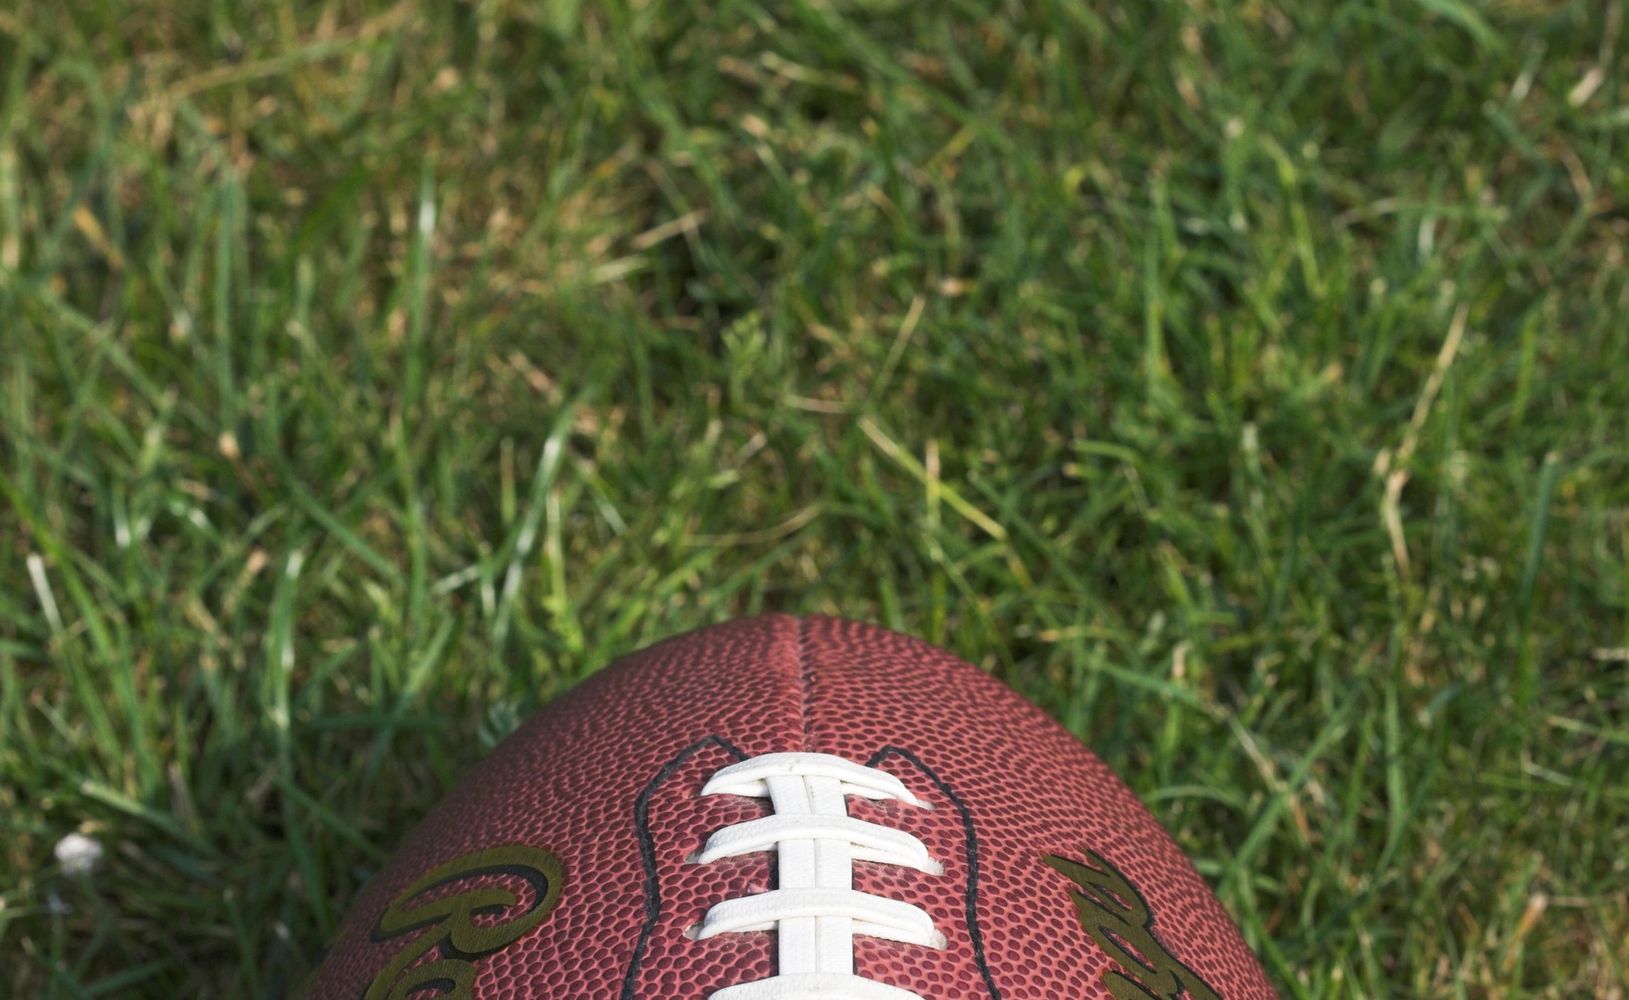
(805, 676)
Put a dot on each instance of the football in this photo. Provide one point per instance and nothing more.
(787, 808)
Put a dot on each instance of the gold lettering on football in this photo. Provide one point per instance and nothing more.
(1116, 916)
(453, 933)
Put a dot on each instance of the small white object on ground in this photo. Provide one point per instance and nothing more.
(79, 854)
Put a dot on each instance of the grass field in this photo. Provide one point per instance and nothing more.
(1247, 384)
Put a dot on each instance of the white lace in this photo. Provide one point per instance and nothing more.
(815, 910)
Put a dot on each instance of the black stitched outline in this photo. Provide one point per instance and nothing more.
(647, 850)
(973, 932)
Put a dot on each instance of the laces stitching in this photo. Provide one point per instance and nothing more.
(815, 911)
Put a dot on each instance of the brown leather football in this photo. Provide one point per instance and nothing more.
(790, 809)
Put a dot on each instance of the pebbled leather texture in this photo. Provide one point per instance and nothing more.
(607, 779)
